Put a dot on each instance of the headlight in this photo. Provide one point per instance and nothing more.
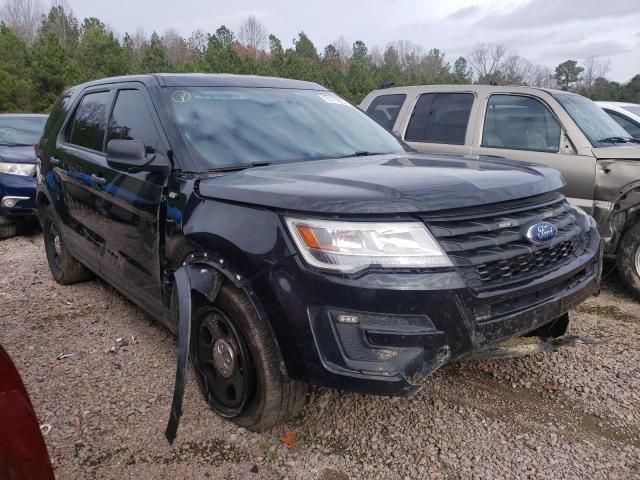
(26, 169)
(352, 246)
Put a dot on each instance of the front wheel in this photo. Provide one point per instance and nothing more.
(237, 365)
(628, 261)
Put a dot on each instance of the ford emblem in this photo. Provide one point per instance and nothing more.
(541, 232)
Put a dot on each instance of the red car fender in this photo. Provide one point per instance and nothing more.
(23, 453)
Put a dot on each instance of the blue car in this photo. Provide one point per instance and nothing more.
(18, 135)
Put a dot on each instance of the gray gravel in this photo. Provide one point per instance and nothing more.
(568, 414)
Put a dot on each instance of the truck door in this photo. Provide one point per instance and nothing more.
(522, 127)
(128, 203)
(439, 123)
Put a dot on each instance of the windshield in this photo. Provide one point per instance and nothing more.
(633, 109)
(21, 131)
(236, 126)
(599, 128)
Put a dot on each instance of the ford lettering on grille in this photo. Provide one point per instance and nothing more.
(542, 232)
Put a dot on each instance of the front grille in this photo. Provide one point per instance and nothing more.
(488, 244)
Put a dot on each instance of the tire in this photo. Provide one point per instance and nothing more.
(7, 228)
(263, 395)
(628, 261)
(64, 268)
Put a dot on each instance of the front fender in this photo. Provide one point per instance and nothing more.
(617, 200)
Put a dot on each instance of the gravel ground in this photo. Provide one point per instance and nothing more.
(568, 414)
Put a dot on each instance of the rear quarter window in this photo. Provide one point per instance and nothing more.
(440, 118)
(385, 109)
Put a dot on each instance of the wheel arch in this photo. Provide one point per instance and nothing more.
(617, 216)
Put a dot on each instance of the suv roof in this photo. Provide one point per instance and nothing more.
(208, 80)
(469, 88)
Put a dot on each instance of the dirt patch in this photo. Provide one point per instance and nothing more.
(573, 414)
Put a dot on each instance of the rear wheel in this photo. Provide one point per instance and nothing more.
(628, 261)
(238, 367)
(7, 228)
(64, 268)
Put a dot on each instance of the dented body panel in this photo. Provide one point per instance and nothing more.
(617, 197)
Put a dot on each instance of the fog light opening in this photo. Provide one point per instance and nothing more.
(10, 202)
(348, 319)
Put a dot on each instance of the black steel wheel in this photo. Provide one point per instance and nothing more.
(224, 363)
(239, 366)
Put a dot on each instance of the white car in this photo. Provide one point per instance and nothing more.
(627, 115)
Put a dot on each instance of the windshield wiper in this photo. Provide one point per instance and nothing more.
(362, 153)
(236, 168)
(618, 140)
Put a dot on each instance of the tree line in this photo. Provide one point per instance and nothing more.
(42, 53)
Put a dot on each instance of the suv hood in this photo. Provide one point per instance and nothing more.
(383, 184)
(622, 151)
(17, 154)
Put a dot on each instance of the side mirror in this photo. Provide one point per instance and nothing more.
(131, 156)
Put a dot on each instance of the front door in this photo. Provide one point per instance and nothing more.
(128, 203)
(521, 127)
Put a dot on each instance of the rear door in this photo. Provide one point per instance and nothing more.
(128, 203)
(523, 127)
(80, 156)
(439, 123)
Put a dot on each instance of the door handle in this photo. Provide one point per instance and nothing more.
(98, 179)
(54, 161)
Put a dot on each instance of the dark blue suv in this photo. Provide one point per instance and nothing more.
(19, 133)
(289, 239)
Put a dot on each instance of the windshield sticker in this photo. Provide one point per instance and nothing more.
(8, 135)
(181, 96)
(336, 100)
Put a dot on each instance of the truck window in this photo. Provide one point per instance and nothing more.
(628, 125)
(440, 118)
(88, 126)
(385, 109)
(520, 123)
(130, 120)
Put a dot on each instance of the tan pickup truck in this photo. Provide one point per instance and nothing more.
(598, 159)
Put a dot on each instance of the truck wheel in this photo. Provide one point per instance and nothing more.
(7, 228)
(238, 365)
(64, 268)
(628, 261)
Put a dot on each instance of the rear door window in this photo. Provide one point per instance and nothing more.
(440, 118)
(131, 120)
(385, 109)
(520, 123)
(89, 123)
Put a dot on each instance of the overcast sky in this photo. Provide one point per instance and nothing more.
(543, 31)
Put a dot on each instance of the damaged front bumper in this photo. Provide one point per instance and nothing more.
(383, 332)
